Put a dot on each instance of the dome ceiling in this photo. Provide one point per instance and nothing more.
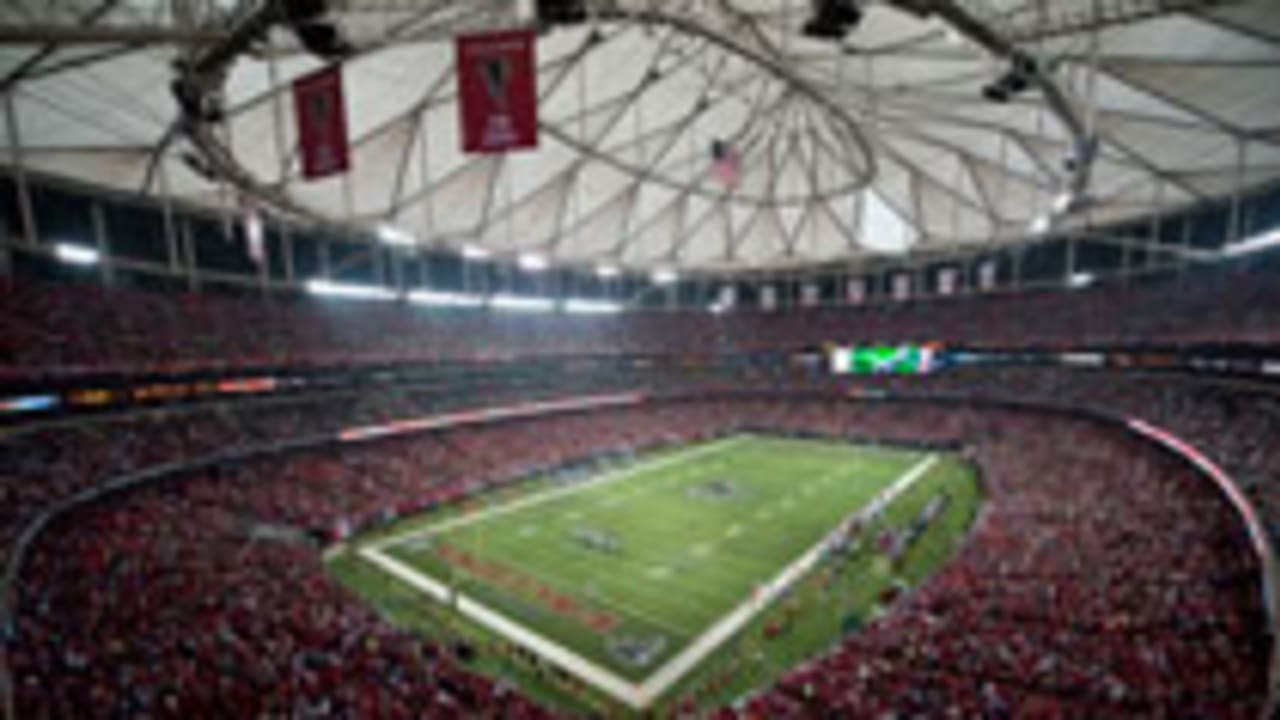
(881, 144)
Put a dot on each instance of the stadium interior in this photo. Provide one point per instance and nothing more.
(639, 358)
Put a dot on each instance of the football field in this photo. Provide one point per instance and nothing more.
(630, 577)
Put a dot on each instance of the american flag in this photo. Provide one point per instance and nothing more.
(726, 163)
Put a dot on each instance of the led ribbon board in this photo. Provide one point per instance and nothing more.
(883, 360)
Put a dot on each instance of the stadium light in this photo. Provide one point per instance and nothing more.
(473, 252)
(1040, 225)
(328, 288)
(530, 262)
(1081, 279)
(591, 307)
(444, 299)
(664, 276)
(394, 236)
(76, 254)
(519, 303)
(1251, 245)
(608, 271)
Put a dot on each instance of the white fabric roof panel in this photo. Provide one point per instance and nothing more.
(623, 171)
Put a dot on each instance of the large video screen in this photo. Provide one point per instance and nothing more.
(883, 360)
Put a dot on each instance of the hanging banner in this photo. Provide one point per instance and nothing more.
(768, 297)
(810, 294)
(987, 275)
(947, 281)
(857, 291)
(498, 91)
(728, 296)
(901, 286)
(322, 124)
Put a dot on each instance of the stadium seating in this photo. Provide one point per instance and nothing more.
(109, 597)
(1103, 578)
(71, 330)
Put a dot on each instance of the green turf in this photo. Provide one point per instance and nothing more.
(696, 531)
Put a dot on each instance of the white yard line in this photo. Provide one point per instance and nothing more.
(739, 617)
(641, 696)
(543, 497)
(610, 682)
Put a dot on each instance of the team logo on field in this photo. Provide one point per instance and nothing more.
(637, 651)
(720, 489)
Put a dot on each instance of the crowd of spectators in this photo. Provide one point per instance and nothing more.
(70, 329)
(1235, 423)
(1103, 578)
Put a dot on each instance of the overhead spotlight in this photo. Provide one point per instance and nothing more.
(297, 11)
(664, 276)
(1040, 225)
(1064, 203)
(532, 262)
(474, 252)
(197, 102)
(323, 40)
(76, 254)
(1081, 280)
(832, 19)
(1081, 154)
(198, 165)
(320, 36)
(1022, 69)
(996, 92)
(394, 236)
(562, 12)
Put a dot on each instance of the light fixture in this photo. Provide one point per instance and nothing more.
(76, 254)
(1040, 225)
(530, 262)
(608, 271)
(832, 19)
(392, 235)
(444, 299)
(591, 307)
(520, 303)
(664, 276)
(718, 308)
(562, 12)
(1081, 279)
(1063, 202)
(1251, 245)
(474, 252)
(329, 288)
(1017, 79)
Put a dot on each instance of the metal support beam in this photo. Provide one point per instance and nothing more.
(50, 34)
(286, 251)
(191, 261)
(30, 230)
(102, 242)
(170, 223)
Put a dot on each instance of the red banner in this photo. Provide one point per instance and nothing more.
(322, 124)
(498, 91)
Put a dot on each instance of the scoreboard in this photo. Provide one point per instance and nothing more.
(883, 360)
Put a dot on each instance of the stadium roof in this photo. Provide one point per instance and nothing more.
(880, 144)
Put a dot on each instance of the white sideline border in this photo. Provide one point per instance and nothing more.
(637, 696)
